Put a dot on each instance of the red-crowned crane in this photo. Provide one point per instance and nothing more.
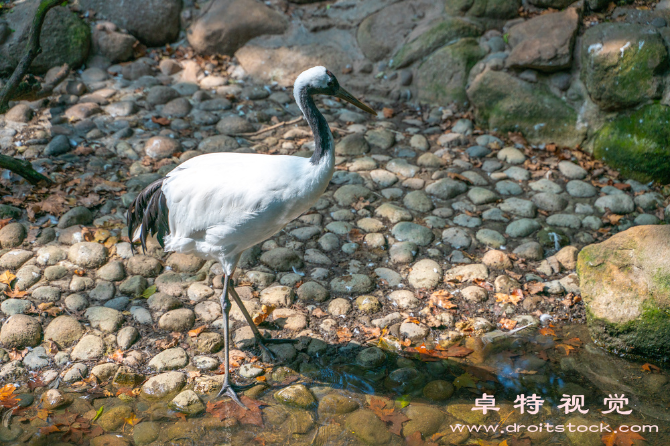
(216, 206)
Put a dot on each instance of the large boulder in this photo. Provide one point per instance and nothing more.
(637, 143)
(625, 284)
(622, 64)
(382, 32)
(442, 78)
(65, 38)
(427, 39)
(228, 24)
(545, 42)
(153, 22)
(285, 63)
(506, 103)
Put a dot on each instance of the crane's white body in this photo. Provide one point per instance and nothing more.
(224, 203)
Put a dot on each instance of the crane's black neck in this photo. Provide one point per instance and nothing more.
(323, 139)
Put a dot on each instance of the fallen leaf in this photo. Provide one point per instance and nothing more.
(7, 277)
(514, 298)
(650, 368)
(43, 414)
(535, 287)
(387, 112)
(4, 222)
(546, 331)
(266, 311)
(15, 294)
(160, 121)
(117, 356)
(49, 430)
(196, 331)
(149, 292)
(484, 284)
(617, 438)
(230, 409)
(465, 380)
(132, 420)
(566, 347)
(344, 334)
(385, 410)
(442, 299)
(507, 324)
(98, 413)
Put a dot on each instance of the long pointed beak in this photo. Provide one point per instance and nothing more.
(344, 94)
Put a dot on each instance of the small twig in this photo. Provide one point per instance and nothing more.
(33, 49)
(267, 129)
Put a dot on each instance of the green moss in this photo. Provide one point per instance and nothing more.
(493, 9)
(647, 337)
(508, 104)
(638, 144)
(438, 35)
(622, 64)
(443, 76)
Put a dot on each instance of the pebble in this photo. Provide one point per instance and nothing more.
(89, 347)
(161, 386)
(12, 235)
(161, 147)
(412, 232)
(181, 319)
(351, 284)
(64, 331)
(170, 359)
(425, 274)
(20, 331)
(617, 204)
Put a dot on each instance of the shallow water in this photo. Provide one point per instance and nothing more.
(411, 393)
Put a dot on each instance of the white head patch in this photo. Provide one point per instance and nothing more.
(315, 77)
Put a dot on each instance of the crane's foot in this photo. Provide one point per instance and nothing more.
(231, 390)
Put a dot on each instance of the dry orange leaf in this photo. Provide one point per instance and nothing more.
(7, 277)
(617, 438)
(507, 324)
(117, 356)
(387, 112)
(513, 298)
(16, 294)
(344, 334)
(132, 420)
(196, 331)
(568, 348)
(43, 414)
(266, 311)
(442, 299)
(650, 368)
(547, 332)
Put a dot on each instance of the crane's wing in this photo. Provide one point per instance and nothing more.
(229, 200)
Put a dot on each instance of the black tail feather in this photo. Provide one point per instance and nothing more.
(149, 212)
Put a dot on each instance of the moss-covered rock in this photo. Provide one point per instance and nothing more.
(638, 143)
(625, 284)
(65, 38)
(442, 78)
(622, 63)
(490, 9)
(436, 35)
(382, 32)
(506, 103)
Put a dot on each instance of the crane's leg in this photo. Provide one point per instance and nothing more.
(260, 340)
(227, 388)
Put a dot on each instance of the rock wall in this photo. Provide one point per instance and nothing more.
(565, 73)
